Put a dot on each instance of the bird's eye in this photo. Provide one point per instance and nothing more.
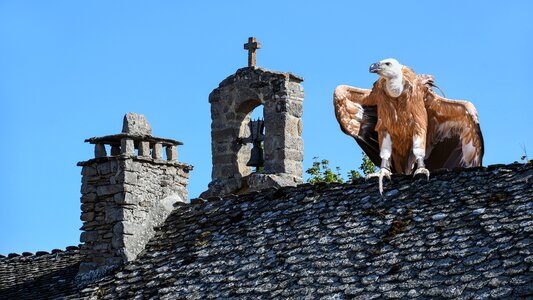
(387, 63)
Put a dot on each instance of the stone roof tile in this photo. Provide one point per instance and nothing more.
(40, 276)
(462, 234)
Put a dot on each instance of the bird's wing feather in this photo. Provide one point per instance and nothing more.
(356, 113)
(454, 137)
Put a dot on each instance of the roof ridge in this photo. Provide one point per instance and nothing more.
(14, 255)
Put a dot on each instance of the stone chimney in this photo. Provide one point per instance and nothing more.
(128, 188)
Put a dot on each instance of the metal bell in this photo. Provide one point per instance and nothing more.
(256, 157)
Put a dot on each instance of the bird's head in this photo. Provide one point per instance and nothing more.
(388, 68)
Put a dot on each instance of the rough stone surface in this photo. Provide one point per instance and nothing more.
(144, 149)
(334, 241)
(232, 103)
(259, 181)
(133, 195)
(157, 151)
(127, 146)
(99, 150)
(340, 241)
(125, 196)
(136, 124)
(40, 276)
(172, 153)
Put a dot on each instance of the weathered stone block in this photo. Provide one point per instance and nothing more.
(225, 133)
(110, 189)
(88, 225)
(87, 188)
(274, 167)
(294, 143)
(144, 149)
(99, 150)
(225, 158)
(99, 206)
(117, 241)
(294, 155)
(87, 216)
(136, 124)
(157, 151)
(131, 165)
(88, 198)
(118, 229)
(88, 171)
(258, 181)
(88, 236)
(293, 167)
(228, 171)
(127, 146)
(127, 198)
(124, 227)
(102, 246)
(104, 168)
(130, 177)
(172, 153)
(292, 127)
(113, 214)
(220, 148)
(86, 207)
(295, 108)
(119, 198)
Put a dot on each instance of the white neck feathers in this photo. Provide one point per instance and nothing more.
(394, 86)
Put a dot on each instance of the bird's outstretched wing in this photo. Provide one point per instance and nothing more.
(454, 137)
(356, 113)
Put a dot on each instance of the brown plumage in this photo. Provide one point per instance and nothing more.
(403, 110)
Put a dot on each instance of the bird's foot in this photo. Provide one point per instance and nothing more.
(422, 171)
(372, 175)
(383, 172)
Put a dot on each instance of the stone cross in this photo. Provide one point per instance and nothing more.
(251, 46)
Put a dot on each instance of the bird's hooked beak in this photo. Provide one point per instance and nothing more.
(375, 67)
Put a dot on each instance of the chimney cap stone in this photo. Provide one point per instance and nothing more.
(136, 124)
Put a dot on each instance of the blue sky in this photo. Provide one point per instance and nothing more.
(70, 70)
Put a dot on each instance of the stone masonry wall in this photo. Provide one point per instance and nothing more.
(126, 194)
(123, 199)
(231, 106)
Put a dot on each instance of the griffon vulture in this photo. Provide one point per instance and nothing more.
(402, 122)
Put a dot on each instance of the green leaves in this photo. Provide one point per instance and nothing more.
(322, 172)
(367, 166)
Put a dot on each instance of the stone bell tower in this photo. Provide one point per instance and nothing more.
(233, 132)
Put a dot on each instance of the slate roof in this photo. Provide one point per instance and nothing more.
(41, 275)
(465, 234)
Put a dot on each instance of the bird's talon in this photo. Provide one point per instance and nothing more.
(422, 171)
(372, 175)
(383, 173)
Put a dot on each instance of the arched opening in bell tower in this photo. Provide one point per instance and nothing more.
(250, 157)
